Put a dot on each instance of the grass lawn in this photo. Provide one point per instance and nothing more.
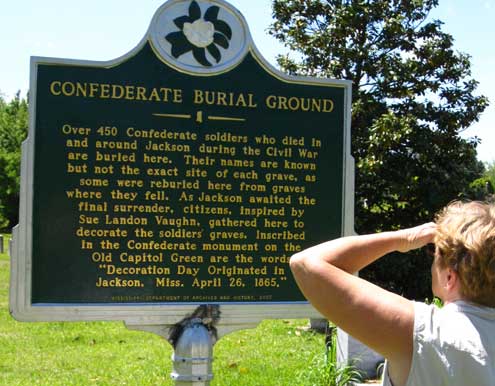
(278, 352)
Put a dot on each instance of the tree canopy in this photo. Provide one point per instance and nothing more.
(487, 182)
(490, 172)
(13, 130)
(413, 94)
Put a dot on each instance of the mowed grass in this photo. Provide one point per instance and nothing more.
(277, 352)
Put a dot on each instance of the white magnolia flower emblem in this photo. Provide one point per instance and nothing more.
(200, 33)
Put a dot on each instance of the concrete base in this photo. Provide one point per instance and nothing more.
(319, 325)
(351, 351)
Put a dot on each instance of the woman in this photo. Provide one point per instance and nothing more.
(423, 345)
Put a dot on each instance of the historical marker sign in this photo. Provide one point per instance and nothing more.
(186, 172)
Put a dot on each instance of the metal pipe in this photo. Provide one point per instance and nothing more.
(193, 355)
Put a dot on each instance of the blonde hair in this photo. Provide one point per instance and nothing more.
(465, 241)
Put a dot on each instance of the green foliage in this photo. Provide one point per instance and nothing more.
(412, 96)
(13, 130)
(323, 372)
(490, 174)
(324, 369)
(480, 189)
(435, 301)
(106, 353)
(338, 374)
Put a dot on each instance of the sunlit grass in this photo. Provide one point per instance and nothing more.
(277, 352)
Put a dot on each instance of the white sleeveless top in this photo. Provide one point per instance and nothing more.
(453, 346)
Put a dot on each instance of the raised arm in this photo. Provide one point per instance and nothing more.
(380, 319)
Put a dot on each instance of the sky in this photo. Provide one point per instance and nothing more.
(107, 29)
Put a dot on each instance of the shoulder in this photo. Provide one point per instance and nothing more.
(451, 342)
(436, 326)
(454, 322)
(426, 317)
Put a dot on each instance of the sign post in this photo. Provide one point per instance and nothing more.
(177, 179)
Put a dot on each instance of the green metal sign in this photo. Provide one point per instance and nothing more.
(186, 172)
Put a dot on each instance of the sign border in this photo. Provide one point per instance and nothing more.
(232, 314)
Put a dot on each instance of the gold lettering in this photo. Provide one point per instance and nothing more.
(140, 91)
(129, 92)
(55, 84)
(93, 89)
(105, 91)
(221, 98)
(293, 103)
(115, 91)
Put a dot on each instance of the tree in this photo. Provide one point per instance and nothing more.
(13, 130)
(490, 173)
(412, 96)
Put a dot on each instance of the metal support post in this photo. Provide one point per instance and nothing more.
(193, 339)
(193, 356)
